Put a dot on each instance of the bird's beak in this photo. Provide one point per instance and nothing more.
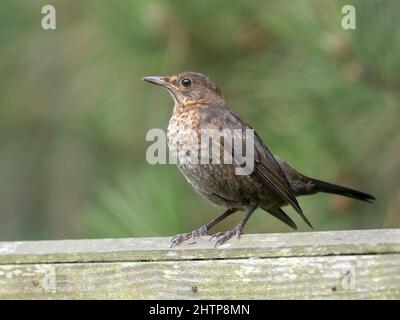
(160, 81)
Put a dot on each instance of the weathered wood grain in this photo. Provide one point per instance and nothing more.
(324, 265)
(248, 246)
(373, 277)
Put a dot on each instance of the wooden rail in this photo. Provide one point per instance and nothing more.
(312, 265)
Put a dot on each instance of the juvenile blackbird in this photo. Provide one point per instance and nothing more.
(272, 184)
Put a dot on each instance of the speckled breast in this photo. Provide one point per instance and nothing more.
(217, 182)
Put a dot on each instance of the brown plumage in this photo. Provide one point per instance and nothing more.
(199, 106)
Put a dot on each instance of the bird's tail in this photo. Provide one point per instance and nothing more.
(322, 186)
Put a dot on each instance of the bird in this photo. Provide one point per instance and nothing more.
(199, 106)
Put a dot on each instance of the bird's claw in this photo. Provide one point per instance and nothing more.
(179, 238)
(225, 236)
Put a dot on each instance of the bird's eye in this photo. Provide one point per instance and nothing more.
(186, 82)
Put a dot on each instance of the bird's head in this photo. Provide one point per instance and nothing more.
(190, 89)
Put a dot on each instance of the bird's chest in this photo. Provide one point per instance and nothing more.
(190, 136)
(183, 137)
(183, 132)
(187, 148)
(185, 144)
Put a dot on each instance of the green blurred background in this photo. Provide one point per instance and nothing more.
(74, 112)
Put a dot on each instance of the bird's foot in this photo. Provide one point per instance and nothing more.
(179, 238)
(226, 235)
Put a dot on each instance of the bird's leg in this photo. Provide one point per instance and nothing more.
(203, 230)
(237, 231)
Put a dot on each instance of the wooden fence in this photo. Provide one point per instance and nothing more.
(312, 265)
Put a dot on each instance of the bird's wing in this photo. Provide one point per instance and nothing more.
(281, 215)
(271, 175)
(266, 169)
